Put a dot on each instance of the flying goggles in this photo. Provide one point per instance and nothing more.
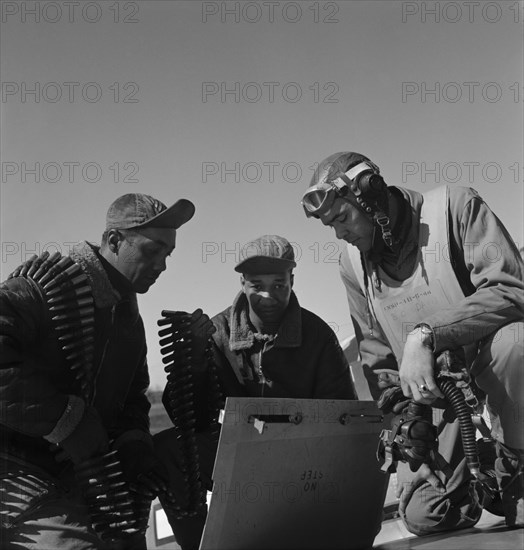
(361, 181)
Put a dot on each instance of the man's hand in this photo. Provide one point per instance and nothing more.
(142, 468)
(417, 370)
(201, 329)
(89, 439)
(185, 338)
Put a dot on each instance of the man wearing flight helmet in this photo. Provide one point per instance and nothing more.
(428, 273)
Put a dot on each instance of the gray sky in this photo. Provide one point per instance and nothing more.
(230, 104)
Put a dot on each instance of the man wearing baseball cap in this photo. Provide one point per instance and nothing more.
(286, 350)
(265, 345)
(78, 468)
(428, 277)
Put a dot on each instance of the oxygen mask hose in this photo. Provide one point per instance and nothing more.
(455, 383)
(413, 437)
(456, 398)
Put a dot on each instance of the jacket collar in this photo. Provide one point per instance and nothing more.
(104, 294)
(289, 334)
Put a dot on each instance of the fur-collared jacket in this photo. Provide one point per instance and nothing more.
(303, 360)
(40, 398)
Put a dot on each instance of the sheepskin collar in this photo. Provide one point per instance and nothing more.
(104, 294)
(289, 334)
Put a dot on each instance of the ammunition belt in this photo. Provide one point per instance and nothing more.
(176, 347)
(116, 513)
(71, 306)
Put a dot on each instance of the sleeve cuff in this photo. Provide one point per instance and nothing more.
(69, 420)
(426, 335)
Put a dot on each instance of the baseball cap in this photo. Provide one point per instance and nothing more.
(267, 254)
(136, 210)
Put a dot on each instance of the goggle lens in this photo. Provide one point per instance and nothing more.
(314, 199)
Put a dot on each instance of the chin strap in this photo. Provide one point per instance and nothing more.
(381, 220)
(384, 223)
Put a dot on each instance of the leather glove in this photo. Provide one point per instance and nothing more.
(392, 400)
(142, 468)
(201, 329)
(87, 440)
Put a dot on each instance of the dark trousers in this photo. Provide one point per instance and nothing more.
(187, 531)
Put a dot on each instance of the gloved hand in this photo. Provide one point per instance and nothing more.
(186, 338)
(142, 468)
(201, 329)
(87, 440)
(392, 400)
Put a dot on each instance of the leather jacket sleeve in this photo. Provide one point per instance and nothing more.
(135, 413)
(30, 402)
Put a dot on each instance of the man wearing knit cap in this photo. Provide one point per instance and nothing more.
(77, 468)
(265, 345)
(435, 290)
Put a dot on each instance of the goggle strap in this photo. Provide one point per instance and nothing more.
(342, 181)
(348, 178)
(352, 173)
